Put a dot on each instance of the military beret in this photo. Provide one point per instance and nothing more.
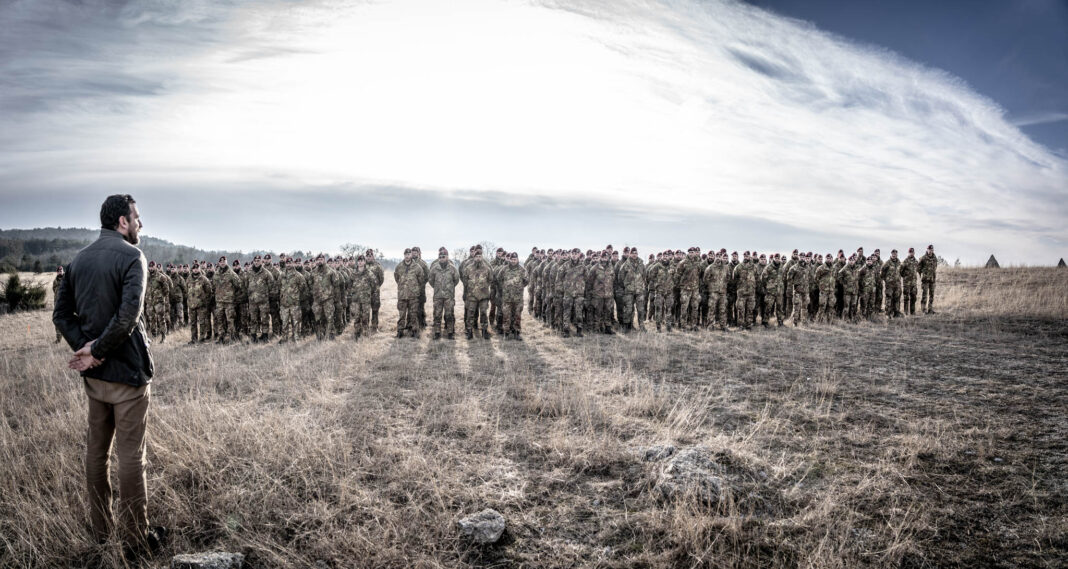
(911, 250)
(369, 253)
(893, 250)
(152, 263)
(746, 253)
(795, 250)
(930, 247)
(361, 260)
(257, 257)
(223, 258)
(442, 250)
(576, 250)
(478, 246)
(513, 255)
(734, 253)
(876, 251)
(407, 251)
(237, 263)
(267, 256)
(500, 250)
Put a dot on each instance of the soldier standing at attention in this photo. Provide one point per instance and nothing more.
(409, 276)
(891, 276)
(157, 300)
(363, 283)
(259, 300)
(825, 279)
(199, 293)
(417, 257)
(928, 266)
(773, 291)
(56, 283)
(226, 286)
(798, 286)
(290, 295)
(573, 289)
(322, 287)
(690, 271)
(745, 290)
(632, 273)
(375, 268)
(513, 279)
(477, 292)
(848, 276)
(443, 279)
(908, 282)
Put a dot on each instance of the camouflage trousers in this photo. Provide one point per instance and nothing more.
(717, 309)
(602, 307)
(662, 308)
(291, 318)
(445, 309)
(688, 308)
(773, 306)
(571, 312)
(825, 310)
(226, 321)
(259, 318)
(376, 303)
(422, 309)
(617, 314)
(241, 316)
(513, 314)
(867, 302)
(800, 303)
(732, 307)
(633, 301)
(199, 323)
(408, 315)
(361, 316)
(849, 306)
(908, 296)
(893, 300)
(477, 314)
(496, 315)
(927, 298)
(340, 314)
(276, 317)
(177, 311)
(745, 304)
(157, 318)
(323, 311)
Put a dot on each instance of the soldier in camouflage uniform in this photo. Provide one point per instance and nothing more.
(55, 294)
(867, 278)
(323, 287)
(410, 279)
(908, 282)
(226, 284)
(199, 292)
(660, 287)
(375, 268)
(715, 278)
(732, 291)
(877, 265)
(798, 286)
(443, 279)
(690, 271)
(773, 291)
(891, 275)
(848, 277)
(928, 268)
(788, 296)
(477, 276)
(177, 300)
(632, 273)
(825, 279)
(307, 314)
(241, 297)
(572, 285)
(274, 295)
(259, 281)
(602, 292)
(363, 284)
(496, 315)
(760, 266)
(292, 289)
(617, 285)
(513, 279)
(745, 290)
(157, 301)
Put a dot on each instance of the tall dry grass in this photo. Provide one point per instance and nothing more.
(930, 441)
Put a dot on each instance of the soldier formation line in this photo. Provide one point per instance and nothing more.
(570, 291)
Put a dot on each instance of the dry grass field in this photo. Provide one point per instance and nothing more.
(931, 441)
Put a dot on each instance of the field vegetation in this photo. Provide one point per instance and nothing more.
(930, 441)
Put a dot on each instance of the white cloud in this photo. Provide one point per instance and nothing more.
(701, 106)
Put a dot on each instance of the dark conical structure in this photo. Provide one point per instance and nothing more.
(992, 263)
(1061, 265)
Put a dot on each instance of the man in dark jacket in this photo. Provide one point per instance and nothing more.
(99, 311)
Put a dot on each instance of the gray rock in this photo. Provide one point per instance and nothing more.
(484, 527)
(211, 560)
(691, 473)
(658, 452)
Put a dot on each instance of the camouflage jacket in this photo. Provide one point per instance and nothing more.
(798, 278)
(443, 279)
(276, 282)
(55, 284)
(259, 285)
(772, 277)
(891, 273)
(292, 287)
(199, 292)
(159, 289)
(477, 280)
(825, 277)
(512, 281)
(632, 273)
(927, 267)
(690, 271)
(379, 275)
(848, 276)
(177, 287)
(908, 270)
(602, 280)
(659, 277)
(866, 276)
(745, 277)
(573, 279)
(364, 284)
(323, 283)
(716, 277)
(410, 280)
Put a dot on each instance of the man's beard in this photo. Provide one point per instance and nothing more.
(132, 237)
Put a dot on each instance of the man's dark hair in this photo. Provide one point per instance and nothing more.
(114, 207)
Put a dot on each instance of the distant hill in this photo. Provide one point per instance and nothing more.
(42, 249)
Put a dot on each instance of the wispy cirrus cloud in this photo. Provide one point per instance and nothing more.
(703, 108)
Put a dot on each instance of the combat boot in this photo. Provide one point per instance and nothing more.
(658, 327)
(470, 336)
(437, 335)
(264, 338)
(578, 332)
(283, 341)
(641, 326)
(485, 334)
(451, 336)
(400, 333)
(567, 332)
(517, 337)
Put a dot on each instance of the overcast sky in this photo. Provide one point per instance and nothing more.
(771, 125)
